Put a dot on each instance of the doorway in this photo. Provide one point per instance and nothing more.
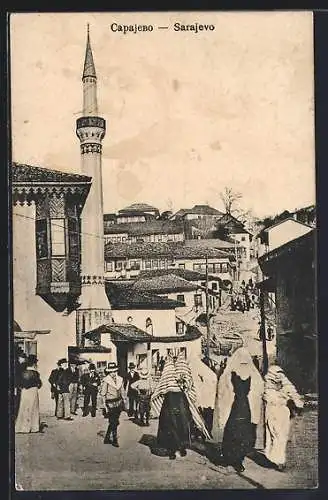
(122, 358)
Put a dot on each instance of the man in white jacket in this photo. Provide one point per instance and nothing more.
(111, 392)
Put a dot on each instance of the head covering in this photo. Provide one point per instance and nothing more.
(111, 367)
(177, 376)
(205, 381)
(31, 360)
(278, 389)
(62, 361)
(131, 365)
(242, 364)
(144, 373)
(92, 366)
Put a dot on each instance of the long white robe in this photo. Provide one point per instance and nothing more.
(28, 418)
(278, 390)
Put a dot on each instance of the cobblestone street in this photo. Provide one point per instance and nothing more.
(72, 456)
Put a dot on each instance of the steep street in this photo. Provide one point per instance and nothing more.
(72, 456)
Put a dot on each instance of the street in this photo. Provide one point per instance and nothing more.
(72, 456)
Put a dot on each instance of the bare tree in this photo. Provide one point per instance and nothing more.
(169, 204)
(229, 198)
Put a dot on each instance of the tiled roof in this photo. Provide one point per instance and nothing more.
(16, 326)
(304, 243)
(183, 273)
(138, 207)
(177, 250)
(192, 333)
(134, 213)
(81, 350)
(131, 333)
(168, 283)
(22, 173)
(121, 332)
(235, 226)
(146, 228)
(198, 210)
(122, 296)
(213, 243)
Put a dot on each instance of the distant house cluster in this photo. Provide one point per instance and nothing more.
(143, 223)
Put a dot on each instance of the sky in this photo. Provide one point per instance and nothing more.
(187, 114)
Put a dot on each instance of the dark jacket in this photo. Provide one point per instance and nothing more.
(53, 379)
(19, 370)
(90, 382)
(129, 380)
(75, 376)
(30, 378)
(63, 381)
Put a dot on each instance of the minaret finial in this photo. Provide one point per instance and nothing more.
(89, 67)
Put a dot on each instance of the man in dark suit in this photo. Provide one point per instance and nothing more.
(90, 383)
(131, 377)
(62, 385)
(53, 385)
(73, 386)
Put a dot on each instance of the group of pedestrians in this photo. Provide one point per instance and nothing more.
(240, 392)
(66, 384)
(246, 298)
(137, 386)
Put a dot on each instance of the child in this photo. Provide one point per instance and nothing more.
(144, 388)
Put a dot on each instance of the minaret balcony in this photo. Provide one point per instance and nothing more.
(90, 121)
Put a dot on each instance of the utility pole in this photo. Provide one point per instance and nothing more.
(237, 262)
(265, 362)
(207, 311)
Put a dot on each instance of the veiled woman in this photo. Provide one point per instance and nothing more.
(28, 418)
(279, 395)
(238, 408)
(175, 401)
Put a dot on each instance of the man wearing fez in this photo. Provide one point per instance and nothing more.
(90, 383)
(111, 392)
(131, 377)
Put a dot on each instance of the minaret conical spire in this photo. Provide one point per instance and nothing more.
(89, 65)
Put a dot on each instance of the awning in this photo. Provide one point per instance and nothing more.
(20, 334)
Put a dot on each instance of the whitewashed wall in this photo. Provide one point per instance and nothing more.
(31, 311)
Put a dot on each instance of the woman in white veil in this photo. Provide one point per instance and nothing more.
(237, 408)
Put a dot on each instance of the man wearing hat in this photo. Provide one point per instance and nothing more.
(111, 392)
(74, 385)
(90, 383)
(144, 388)
(53, 385)
(62, 385)
(131, 377)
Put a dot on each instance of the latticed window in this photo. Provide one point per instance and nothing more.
(57, 237)
(41, 239)
(73, 236)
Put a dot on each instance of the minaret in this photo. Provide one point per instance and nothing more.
(90, 129)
